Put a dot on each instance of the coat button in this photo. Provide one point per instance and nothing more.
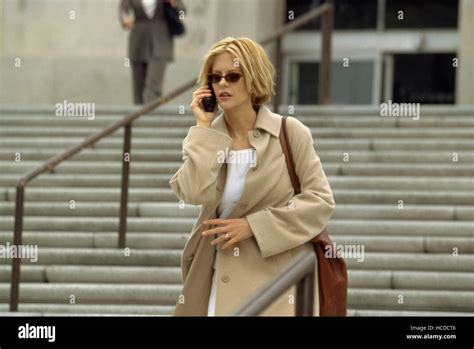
(190, 258)
(256, 134)
(225, 278)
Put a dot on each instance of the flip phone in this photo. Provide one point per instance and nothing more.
(209, 103)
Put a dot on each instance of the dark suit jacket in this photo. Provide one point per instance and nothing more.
(149, 38)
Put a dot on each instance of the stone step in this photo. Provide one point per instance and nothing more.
(176, 241)
(99, 224)
(172, 275)
(103, 256)
(95, 274)
(426, 300)
(106, 143)
(400, 228)
(344, 196)
(162, 241)
(65, 310)
(164, 258)
(343, 211)
(346, 132)
(173, 209)
(43, 154)
(389, 212)
(94, 167)
(425, 280)
(402, 183)
(162, 181)
(95, 209)
(398, 197)
(412, 261)
(344, 169)
(94, 293)
(91, 180)
(29, 273)
(419, 244)
(103, 195)
(176, 144)
(170, 224)
(187, 121)
(175, 155)
(399, 313)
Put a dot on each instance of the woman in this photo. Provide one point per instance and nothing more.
(259, 225)
(151, 45)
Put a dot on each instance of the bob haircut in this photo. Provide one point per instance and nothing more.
(257, 70)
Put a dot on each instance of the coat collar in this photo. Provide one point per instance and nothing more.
(266, 120)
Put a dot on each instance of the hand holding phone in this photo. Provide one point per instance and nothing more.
(204, 105)
(209, 103)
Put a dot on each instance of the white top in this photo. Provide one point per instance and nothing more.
(238, 164)
(149, 6)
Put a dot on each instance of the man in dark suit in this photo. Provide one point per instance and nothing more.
(151, 45)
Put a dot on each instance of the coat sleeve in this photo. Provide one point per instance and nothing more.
(278, 229)
(195, 182)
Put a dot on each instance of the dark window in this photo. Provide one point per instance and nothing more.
(349, 85)
(424, 78)
(421, 14)
(349, 14)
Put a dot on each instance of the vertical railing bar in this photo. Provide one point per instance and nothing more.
(125, 184)
(327, 24)
(17, 241)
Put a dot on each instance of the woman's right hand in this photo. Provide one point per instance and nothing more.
(203, 118)
(127, 22)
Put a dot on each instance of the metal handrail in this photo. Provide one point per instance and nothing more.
(300, 272)
(326, 11)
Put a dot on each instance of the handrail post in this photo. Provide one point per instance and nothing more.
(17, 241)
(279, 64)
(327, 26)
(305, 295)
(127, 135)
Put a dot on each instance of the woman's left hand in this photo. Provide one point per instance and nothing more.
(236, 230)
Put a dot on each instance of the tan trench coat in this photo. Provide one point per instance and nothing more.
(282, 223)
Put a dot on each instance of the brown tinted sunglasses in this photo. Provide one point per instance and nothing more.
(231, 77)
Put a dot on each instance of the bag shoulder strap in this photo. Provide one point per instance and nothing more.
(290, 164)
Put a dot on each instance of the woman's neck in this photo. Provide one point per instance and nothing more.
(240, 121)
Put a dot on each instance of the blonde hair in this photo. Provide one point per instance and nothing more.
(257, 70)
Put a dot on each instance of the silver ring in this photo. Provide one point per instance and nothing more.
(226, 236)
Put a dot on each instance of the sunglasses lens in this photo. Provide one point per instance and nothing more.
(214, 78)
(233, 77)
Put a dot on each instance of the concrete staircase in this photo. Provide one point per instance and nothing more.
(419, 257)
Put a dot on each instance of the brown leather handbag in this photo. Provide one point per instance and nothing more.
(332, 272)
